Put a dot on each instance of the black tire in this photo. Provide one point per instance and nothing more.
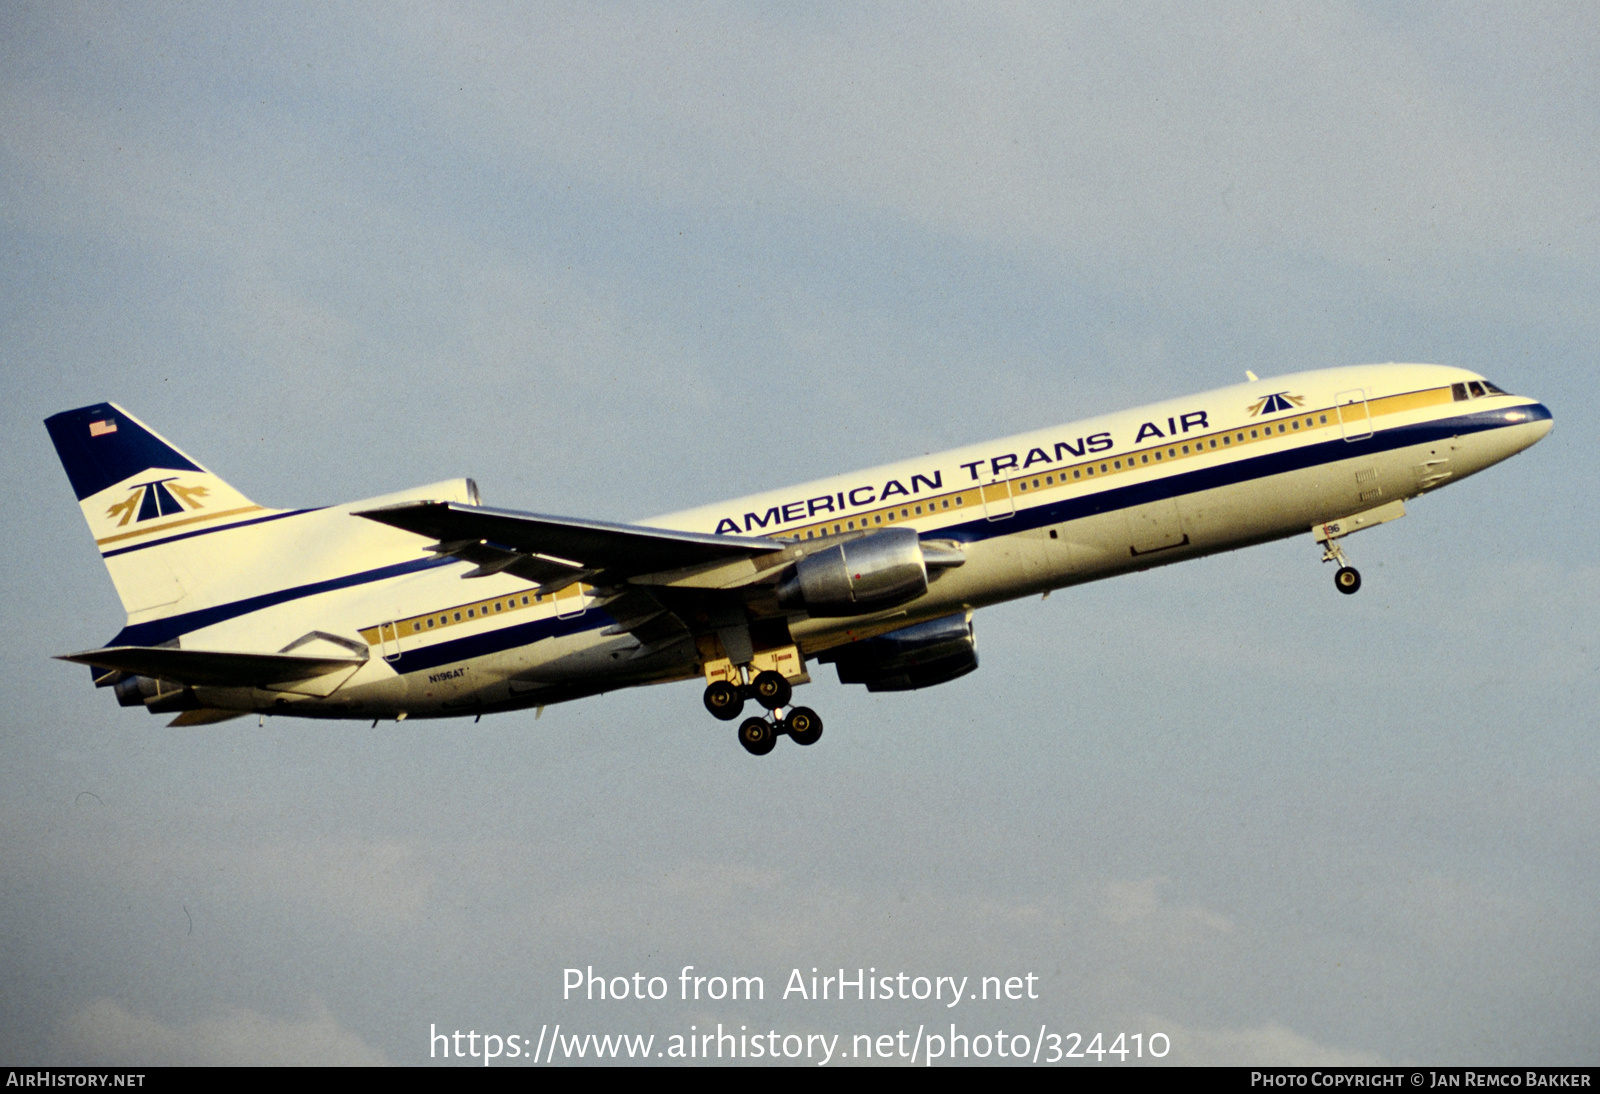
(803, 726)
(771, 690)
(723, 700)
(1347, 580)
(757, 736)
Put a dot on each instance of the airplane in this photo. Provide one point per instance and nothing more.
(429, 604)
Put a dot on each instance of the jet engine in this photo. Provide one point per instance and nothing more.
(912, 657)
(864, 575)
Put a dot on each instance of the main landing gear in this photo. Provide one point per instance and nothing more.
(725, 700)
(760, 735)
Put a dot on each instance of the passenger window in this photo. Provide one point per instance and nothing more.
(1225, 439)
(430, 621)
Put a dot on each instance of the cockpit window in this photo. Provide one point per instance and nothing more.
(1475, 389)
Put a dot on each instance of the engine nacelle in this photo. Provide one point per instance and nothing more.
(156, 695)
(861, 575)
(913, 657)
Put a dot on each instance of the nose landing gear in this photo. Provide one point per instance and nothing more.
(1347, 579)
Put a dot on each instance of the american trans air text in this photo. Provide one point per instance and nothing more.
(427, 603)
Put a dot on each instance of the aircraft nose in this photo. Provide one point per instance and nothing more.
(1537, 415)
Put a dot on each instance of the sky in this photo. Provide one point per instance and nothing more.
(618, 260)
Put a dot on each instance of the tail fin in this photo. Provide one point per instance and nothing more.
(138, 491)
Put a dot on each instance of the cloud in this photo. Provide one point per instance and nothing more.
(107, 1032)
(1140, 904)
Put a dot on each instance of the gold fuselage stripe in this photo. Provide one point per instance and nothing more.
(178, 524)
(1086, 472)
(458, 614)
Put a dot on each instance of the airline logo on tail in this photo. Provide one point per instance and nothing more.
(157, 498)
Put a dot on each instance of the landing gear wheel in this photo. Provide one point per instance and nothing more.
(803, 726)
(757, 736)
(724, 701)
(1347, 579)
(771, 689)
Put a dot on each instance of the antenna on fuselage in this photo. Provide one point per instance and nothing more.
(1252, 377)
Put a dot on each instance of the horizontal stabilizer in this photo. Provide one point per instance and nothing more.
(562, 544)
(212, 668)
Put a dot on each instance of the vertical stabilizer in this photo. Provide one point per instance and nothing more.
(139, 493)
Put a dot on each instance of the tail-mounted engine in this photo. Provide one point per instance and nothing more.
(912, 657)
(864, 575)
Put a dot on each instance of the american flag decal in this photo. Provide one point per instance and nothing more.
(100, 429)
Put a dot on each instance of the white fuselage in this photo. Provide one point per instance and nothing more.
(1037, 511)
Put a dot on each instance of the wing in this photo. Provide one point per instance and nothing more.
(561, 546)
(660, 585)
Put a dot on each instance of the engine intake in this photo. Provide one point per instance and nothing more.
(910, 658)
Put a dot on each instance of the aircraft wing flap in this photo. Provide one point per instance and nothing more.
(640, 614)
(213, 668)
(618, 550)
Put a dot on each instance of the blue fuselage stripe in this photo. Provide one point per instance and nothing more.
(1058, 512)
(1230, 474)
(158, 631)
